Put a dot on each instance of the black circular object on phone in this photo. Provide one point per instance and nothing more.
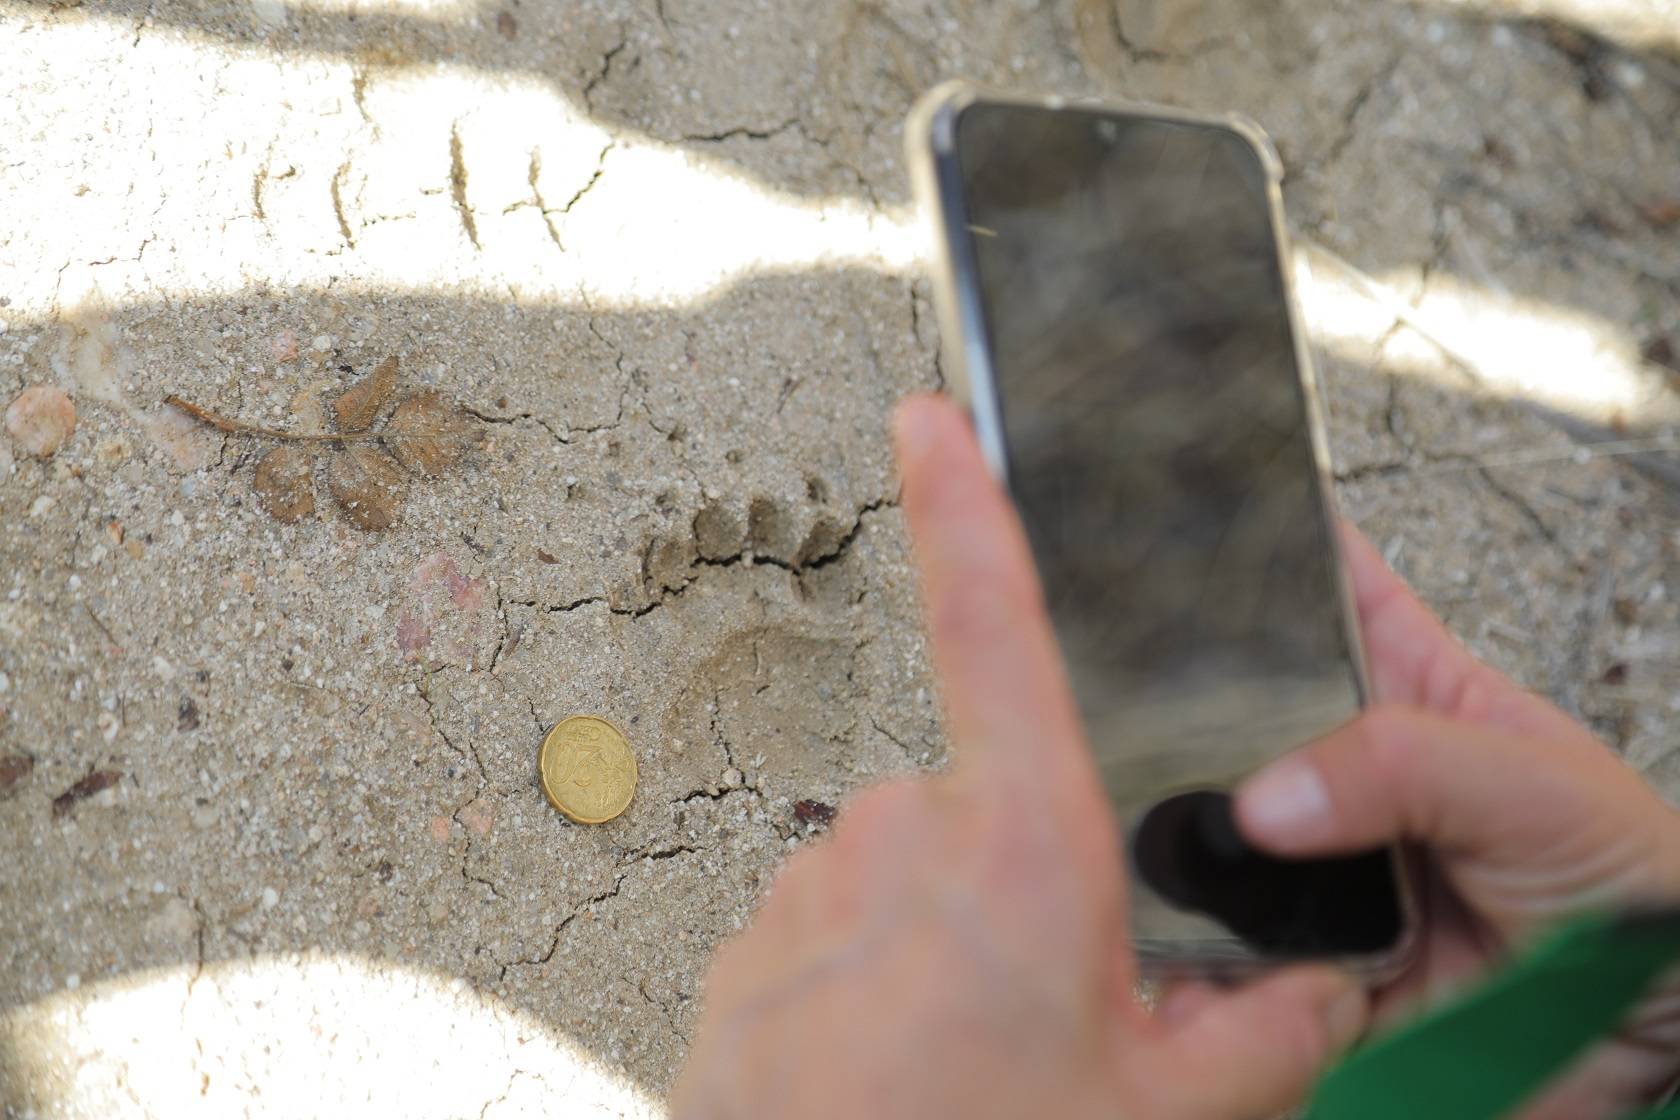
(1191, 851)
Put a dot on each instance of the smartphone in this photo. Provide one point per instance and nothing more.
(1115, 305)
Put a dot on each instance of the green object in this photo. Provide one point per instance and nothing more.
(1487, 1052)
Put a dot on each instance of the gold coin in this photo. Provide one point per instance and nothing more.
(587, 768)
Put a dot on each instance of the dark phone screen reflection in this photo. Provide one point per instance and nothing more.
(1159, 453)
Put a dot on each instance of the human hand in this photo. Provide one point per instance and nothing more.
(958, 946)
(1526, 819)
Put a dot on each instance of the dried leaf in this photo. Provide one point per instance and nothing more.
(285, 484)
(359, 405)
(208, 416)
(1570, 41)
(241, 428)
(546, 557)
(368, 486)
(14, 768)
(428, 434)
(1661, 214)
(515, 636)
(95, 782)
(1658, 350)
(807, 811)
(1597, 221)
(1497, 151)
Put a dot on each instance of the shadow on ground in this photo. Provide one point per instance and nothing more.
(325, 738)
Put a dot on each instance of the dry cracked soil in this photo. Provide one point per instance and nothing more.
(273, 842)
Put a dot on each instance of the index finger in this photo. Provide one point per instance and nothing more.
(1008, 705)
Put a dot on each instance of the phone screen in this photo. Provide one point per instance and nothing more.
(1157, 444)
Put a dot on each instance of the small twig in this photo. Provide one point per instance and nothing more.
(1379, 292)
(103, 629)
(1584, 452)
(240, 428)
(1646, 453)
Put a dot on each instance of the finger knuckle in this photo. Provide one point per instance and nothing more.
(1388, 741)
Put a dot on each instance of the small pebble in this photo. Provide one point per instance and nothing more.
(73, 981)
(14, 768)
(1629, 74)
(731, 777)
(111, 452)
(283, 347)
(270, 898)
(173, 921)
(109, 725)
(40, 420)
(477, 816)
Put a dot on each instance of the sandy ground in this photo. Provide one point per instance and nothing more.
(661, 252)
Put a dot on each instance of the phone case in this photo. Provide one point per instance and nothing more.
(930, 143)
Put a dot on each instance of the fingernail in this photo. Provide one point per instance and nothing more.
(1285, 801)
(1345, 1018)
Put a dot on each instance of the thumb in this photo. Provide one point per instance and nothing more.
(1399, 773)
(1256, 1051)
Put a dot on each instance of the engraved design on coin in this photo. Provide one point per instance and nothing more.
(587, 769)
